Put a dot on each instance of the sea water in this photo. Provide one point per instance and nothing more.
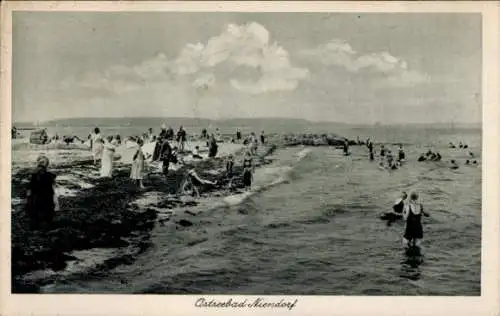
(318, 230)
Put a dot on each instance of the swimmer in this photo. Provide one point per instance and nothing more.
(474, 162)
(454, 164)
(467, 162)
(400, 203)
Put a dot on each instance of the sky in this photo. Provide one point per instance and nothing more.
(343, 67)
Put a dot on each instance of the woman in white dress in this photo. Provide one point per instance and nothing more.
(107, 158)
(97, 144)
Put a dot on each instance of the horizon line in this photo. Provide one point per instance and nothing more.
(250, 118)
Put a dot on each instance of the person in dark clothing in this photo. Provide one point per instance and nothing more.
(169, 134)
(213, 147)
(165, 156)
(422, 158)
(397, 210)
(42, 199)
(262, 138)
(401, 153)
(382, 151)
(204, 134)
(412, 213)
(157, 150)
(229, 165)
(369, 144)
(181, 138)
(238, 135)
(400, 203)
(163, 132)
(346, 147)
(248, 170)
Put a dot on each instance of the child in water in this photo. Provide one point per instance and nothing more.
(137, 171)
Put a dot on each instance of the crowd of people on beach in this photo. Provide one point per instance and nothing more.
(169, 148)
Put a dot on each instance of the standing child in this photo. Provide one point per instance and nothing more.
(137, 171)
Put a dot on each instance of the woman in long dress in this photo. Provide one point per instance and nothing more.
(42, 198)
(137, 171)
(97, 144)
(108, 154)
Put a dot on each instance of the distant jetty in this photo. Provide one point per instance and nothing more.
(317, 140)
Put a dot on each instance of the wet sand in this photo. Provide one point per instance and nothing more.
(109, 216)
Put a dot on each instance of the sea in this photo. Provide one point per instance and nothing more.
(318, 231)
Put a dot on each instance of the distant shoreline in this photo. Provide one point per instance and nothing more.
(104, 121)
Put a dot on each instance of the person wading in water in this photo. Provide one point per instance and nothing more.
(412, 213)
(369, 144)
(248, 169)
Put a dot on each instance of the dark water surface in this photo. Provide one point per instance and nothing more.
(319, 232)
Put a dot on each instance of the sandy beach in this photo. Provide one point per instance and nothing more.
(111, 218)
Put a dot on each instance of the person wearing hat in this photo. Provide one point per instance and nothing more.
(42, 198)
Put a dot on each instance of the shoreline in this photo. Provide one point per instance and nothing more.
(101, 214)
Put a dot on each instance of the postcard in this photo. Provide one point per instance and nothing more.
(178, 158)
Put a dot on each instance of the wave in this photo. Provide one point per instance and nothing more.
(279, 174)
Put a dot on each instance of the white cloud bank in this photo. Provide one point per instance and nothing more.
(238, 46)
(394, 70)
(245, 45)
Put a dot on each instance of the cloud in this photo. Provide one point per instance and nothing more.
(386, 68)
(238, 46)
(245, 45)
